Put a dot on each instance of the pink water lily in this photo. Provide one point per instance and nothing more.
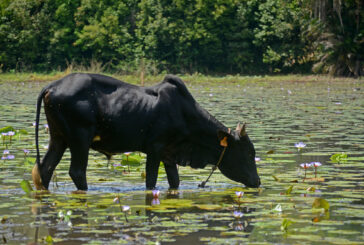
(305, 166)
(155, 193)
(239, 194)
(316, 165)
(155, 201)
(116, 200)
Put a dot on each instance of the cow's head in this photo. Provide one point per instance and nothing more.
(238, 162)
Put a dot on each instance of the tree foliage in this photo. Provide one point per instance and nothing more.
(207, 36)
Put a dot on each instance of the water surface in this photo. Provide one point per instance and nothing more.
(327, 116)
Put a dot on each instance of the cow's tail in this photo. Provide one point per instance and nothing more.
(37, 180)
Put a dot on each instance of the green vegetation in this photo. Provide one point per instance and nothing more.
(194, 78)
(178, 36)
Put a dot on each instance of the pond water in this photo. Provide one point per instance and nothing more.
(291, 207)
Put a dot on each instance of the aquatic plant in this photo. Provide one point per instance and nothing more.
(7, 155)
(300, 145)
(285, 224)
(155, 193)
(239, 194)
(26, 187)
(155, 201)
(127, 154)
(46, 128)
(116, 200)
(321, 203)
(278, 208)
(339, 158)
(315, 165)
(125, 208)
(305, 166)
(26, 152)
(65, 217)
(238, 214)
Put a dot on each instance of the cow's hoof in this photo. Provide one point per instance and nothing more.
(79, 192)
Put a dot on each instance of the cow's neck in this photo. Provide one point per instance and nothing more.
(207, 139)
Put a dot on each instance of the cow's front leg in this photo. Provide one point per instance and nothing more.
(151, 168)
(172, 175)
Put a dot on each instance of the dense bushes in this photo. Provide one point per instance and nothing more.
(206, 36)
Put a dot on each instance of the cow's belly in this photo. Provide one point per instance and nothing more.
(123, 137)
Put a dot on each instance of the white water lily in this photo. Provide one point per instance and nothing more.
(125, 208)
(278, 208)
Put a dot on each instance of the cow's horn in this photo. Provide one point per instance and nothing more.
(242, 130)
(238, 127)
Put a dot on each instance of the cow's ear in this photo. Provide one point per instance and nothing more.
(223, 137)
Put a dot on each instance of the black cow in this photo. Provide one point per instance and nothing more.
(164, 121)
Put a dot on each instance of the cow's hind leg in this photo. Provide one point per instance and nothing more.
(151, 167)
(172, 175)
(79, 148)
(50, 161)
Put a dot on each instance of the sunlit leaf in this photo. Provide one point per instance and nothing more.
(339, 157)
(278, 208)
(25, 185)
(285, 224)
(6, 129)
(321, 203)
(289, 190)
(22, 131)
(49, 239)
(275, 178)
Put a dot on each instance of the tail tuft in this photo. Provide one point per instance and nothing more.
(37, 180)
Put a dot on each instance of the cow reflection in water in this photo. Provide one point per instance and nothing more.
(164, 121)
(85, 218)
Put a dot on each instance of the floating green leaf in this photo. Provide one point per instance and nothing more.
(321, 203)
(25, 185)
(285, 224)
(275, 178)
(289, 190)
(339, 157)
(49, 239)
(22, 131)
(6, 129)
